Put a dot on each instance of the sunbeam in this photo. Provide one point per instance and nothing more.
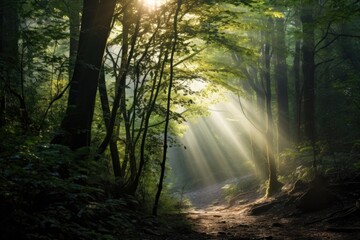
(221, 146)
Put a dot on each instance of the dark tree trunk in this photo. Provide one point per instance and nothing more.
(298, 95)
(120, 103)
(281, 85)
(9, 58)
(114, 152)
(273, 184)
(75, 129)
(74, 18)
(297, 84)
(308, 48)
(129, 154)
(2, 85)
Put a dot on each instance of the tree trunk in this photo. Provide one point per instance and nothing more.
(308, 48)
(9, 56)
(129, 154)
(298, 95)
(259, 152)
(114, 152)
(281, 85)
(2, 85)
(74, 18)
(167, 118)
(75, 129)
(308, 51)
(273, 184)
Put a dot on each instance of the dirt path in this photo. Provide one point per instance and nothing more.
(214, 219)
(209, 196)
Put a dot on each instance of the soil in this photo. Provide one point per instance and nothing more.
(251, 216)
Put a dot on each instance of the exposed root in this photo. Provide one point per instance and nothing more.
(343, 213)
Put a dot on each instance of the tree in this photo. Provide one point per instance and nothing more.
(75, 129)
(9, 52)
(280, 75)
(167, 116)
(297, 81)
(308, 67)
(273, 184)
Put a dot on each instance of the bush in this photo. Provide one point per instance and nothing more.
(51, 193)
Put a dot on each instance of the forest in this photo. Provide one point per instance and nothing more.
(179, 119)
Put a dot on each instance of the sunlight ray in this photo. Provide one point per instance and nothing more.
(219, 147)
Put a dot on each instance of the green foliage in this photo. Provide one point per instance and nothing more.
(297, 162)
(49, 194)
(148, 187)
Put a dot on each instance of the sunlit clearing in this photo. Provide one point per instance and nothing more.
(220, 147)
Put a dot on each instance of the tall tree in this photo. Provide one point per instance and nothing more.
(308, 67)
(273, 183)
(74, 8)
(75, 129)
(281, 81)
(297, 82)
(167, 116)
(9, 63)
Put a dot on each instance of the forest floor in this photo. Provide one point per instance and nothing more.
(38, 200)
(251, 216)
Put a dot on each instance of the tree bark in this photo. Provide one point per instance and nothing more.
(114, 152)
(75, 129)
(308, 67)
(298, 94)
(9, 56)
(2, 85)
(281, 85)
(273, 184)
(74, 18)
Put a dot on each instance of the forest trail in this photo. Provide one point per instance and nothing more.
(214, 218)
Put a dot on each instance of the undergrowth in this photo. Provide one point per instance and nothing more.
(53, 193)
(304, 162)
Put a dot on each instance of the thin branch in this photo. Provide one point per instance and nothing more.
(60, 95)
(113, 61)
(337, 36)
(247, 118)
(345, 35)
(190, 56)
(325, 35)
(326, 61)
(328, 44)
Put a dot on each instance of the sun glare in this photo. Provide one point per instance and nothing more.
(153, 4)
